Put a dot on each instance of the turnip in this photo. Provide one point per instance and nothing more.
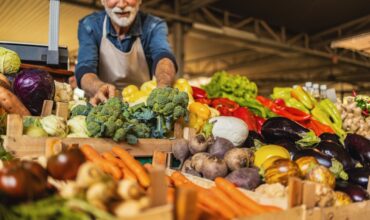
(187, 168)
(219, 147)
(198, 144)
(213, 167)
(180, 149)
(197, 161)
(237, 158)
(247, 178)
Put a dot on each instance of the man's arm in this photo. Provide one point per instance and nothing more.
(96, 89)
(165, 72)
(164, 63)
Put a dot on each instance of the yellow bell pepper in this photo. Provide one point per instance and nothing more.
(199, 115)
(184, 86)
(148, 87)
(128, 93)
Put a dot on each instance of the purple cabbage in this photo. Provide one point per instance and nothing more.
(33, 86)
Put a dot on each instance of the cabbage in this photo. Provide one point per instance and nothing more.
(32, 127)
(9, 61)
(77, 126)
(33, 86)
(54, 125)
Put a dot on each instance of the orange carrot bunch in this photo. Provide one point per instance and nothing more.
(118, 163)
(224, 201)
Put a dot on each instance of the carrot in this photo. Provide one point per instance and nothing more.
(178, 178)
(207, 213)
(110, 157)
(170, 195)
(159, 158)
(238, 196)
(128, 174)
(107, 166)
(133, 165)
(169, 181)
(228, 202)
(148, 167)
(215, 205)
(271, 208)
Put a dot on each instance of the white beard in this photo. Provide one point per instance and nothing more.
(125, 21)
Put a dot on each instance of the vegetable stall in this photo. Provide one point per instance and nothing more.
(219, 151)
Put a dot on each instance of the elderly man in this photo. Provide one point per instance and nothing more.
(122, 46)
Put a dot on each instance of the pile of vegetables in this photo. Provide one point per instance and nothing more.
(116, 119)
(354, 113)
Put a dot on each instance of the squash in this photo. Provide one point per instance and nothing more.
(306, 164)
(322, 175)
(281, 170)
(265, 152)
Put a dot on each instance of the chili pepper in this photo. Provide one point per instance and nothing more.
(316, 127)
(303, 97)
(294, 103)
(205, 101)
(288, 112)
(332, 111)
(321, 116)
(280, 102)
(281, 93)
(224, 106)
(199, 93)
(247, 116)
(259, 123)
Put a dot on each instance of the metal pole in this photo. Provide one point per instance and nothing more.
(53, 52)
(179, 42)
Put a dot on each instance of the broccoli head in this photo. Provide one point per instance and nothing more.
(81, 110)
(163, 101)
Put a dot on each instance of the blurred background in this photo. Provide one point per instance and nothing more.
(274, 43)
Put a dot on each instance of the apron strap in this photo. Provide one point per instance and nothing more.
(105, 27)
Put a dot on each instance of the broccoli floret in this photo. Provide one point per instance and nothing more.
(131, 139)
(81, 110)
(120, 134)
(141, 130)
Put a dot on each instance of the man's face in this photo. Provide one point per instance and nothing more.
(122, 12)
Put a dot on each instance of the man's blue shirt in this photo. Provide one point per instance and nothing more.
(152, 31)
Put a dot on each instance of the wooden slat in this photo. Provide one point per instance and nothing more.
(297, 213)
(295, 187)
(186, 200)
(24, 146)
(47, 108)
(48, 69)
(309, 195)
(355, 211)
(14, 125)
(62, 110)
(158, 187)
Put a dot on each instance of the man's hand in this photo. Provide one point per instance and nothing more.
(105, 92)
(165, 73)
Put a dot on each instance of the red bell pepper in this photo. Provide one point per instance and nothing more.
(199, 93)
(259, 123)
(225, 106)
(281, 109)
(244, 114)
(205, 101)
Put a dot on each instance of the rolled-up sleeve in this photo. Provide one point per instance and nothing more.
(159, 46)
(88, 52)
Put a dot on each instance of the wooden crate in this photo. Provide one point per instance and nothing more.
(25, 146)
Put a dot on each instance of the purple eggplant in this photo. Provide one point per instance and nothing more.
(278, 128)
(356, 192)
(337, 151)
(358, 147)
(359, 176)
(253, 137)
(330, 138)
(320, 157)
(334, 165)
(289, 145)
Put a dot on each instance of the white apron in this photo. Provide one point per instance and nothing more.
(120, 68)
